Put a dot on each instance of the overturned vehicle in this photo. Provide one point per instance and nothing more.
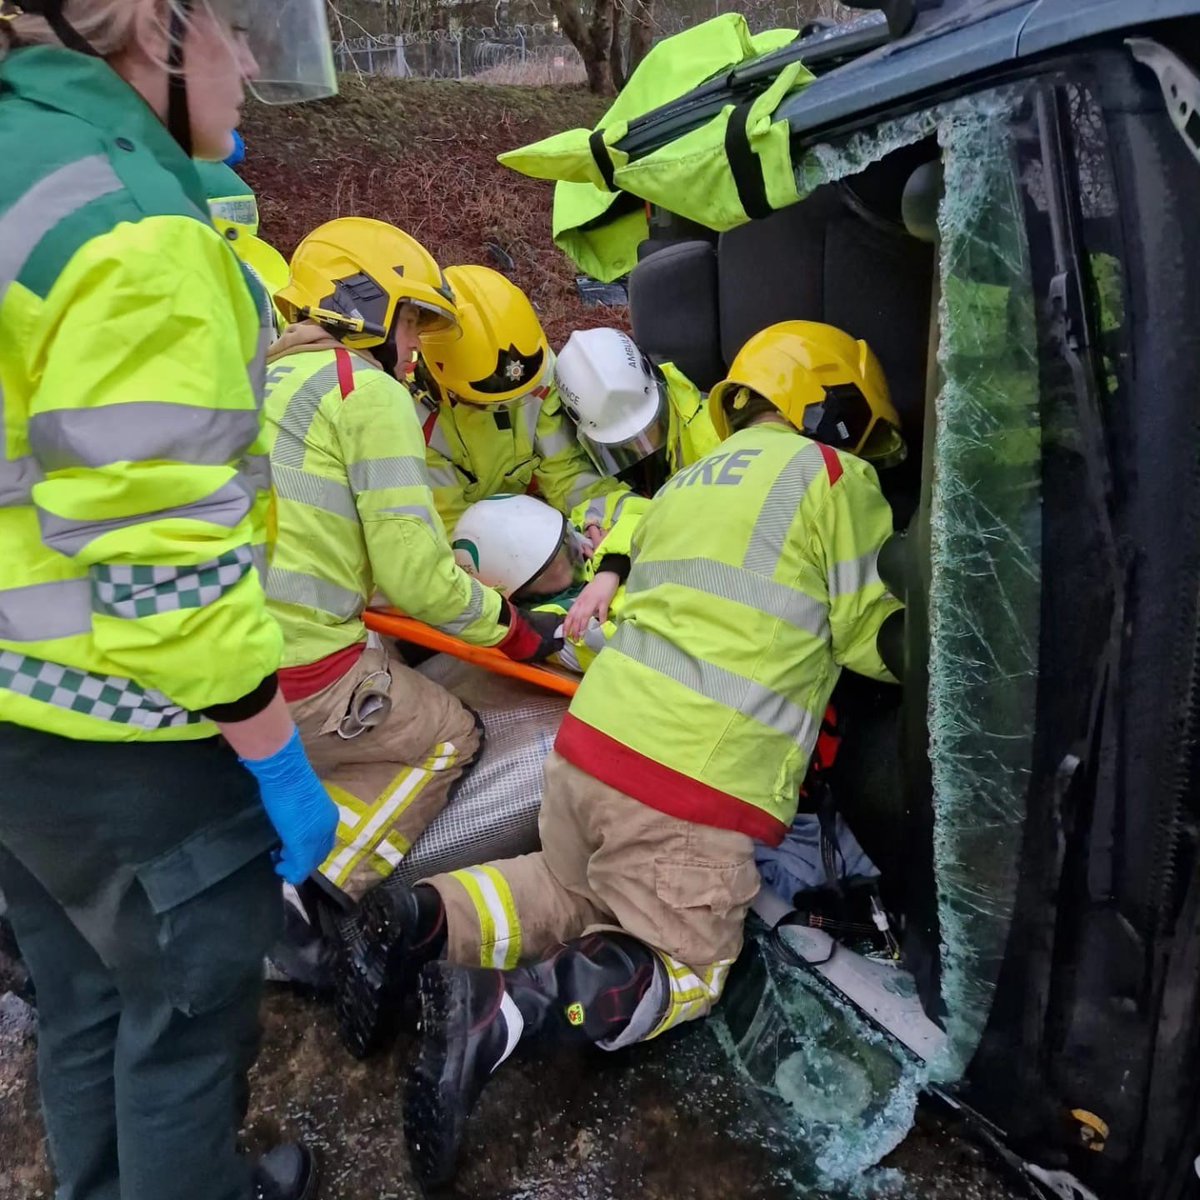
(998, 197)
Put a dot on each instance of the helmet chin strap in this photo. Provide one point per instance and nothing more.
(179, 121)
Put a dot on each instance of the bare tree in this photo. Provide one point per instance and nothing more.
(588, 25)
(612, 37)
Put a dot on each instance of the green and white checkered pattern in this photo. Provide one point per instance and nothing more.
(133, 592)
(106, 697)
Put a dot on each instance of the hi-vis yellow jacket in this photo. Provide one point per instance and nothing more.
(133, 483)
(754, 582)
(356, 514)
(475, 452)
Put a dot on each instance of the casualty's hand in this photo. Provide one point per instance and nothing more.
(298, 806)
(593, 601)
(593, 535)
(532, 636)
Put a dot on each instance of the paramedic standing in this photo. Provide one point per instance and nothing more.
(754, 583)
(135, 848)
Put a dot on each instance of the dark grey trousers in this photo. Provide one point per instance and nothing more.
(139, 882)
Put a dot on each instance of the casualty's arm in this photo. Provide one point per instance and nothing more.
(413, 565)
(851, 525)
(145, 426)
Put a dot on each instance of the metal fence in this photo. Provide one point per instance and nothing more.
(499, 54)
(531, 53)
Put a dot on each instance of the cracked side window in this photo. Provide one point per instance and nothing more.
(985, 553)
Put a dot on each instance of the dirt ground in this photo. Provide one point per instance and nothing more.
(662, 1122)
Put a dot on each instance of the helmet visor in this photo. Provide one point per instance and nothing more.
(611, 458)
(290, 42)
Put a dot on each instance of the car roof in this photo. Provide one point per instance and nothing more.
(965, 41)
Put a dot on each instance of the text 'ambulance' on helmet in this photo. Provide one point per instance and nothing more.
(503, 354)
(615, 397)
(828, 385)
(506, 542)
(363, 270)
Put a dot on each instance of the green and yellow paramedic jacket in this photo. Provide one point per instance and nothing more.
(134, 486)
(754, 581)
(474, 452)
(356, 513)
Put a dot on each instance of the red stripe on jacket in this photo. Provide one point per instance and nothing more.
(659, 787)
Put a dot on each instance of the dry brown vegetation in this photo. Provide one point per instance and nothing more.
(422, 155)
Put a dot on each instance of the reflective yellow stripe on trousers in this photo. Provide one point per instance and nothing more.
(499, 928)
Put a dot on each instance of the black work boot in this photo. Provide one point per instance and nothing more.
(394, 933)
(472, 1019)
(287, 1172)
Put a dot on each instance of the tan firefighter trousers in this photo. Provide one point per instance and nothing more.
(610, 862)
(390, 780)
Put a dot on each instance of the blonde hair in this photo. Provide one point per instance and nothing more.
(108, 26)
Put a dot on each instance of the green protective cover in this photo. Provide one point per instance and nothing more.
(600, 229)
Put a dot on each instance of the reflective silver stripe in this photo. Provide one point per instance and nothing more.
(317, 491)
(706, 679)
(437, 439)
(44, 611)
(259, 557)
(417, 511)
(779, 509)
(470, 614)
(255, 469)
(531, 411)
(732, 583)
(555, 443)
(290, 445)
(620, 504)
(294, 587)
(22, 227)
(44, 205)
(846, 578)
(69, 535)
(594, 513)
(444, 477)
(376, 474)
(17, 478)
(141, 431)
(584, 482)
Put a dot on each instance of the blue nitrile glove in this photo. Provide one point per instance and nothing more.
(299, 807)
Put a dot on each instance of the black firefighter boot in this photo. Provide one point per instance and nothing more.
(395, 931)
(472, 1019)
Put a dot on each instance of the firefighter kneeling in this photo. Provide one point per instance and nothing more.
(687, 741)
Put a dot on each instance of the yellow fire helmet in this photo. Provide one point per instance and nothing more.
(828, 385)
(351, 275)
(503, 355)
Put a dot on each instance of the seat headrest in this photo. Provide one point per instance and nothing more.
(673, 306)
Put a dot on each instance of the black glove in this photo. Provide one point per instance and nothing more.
(532, 636)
